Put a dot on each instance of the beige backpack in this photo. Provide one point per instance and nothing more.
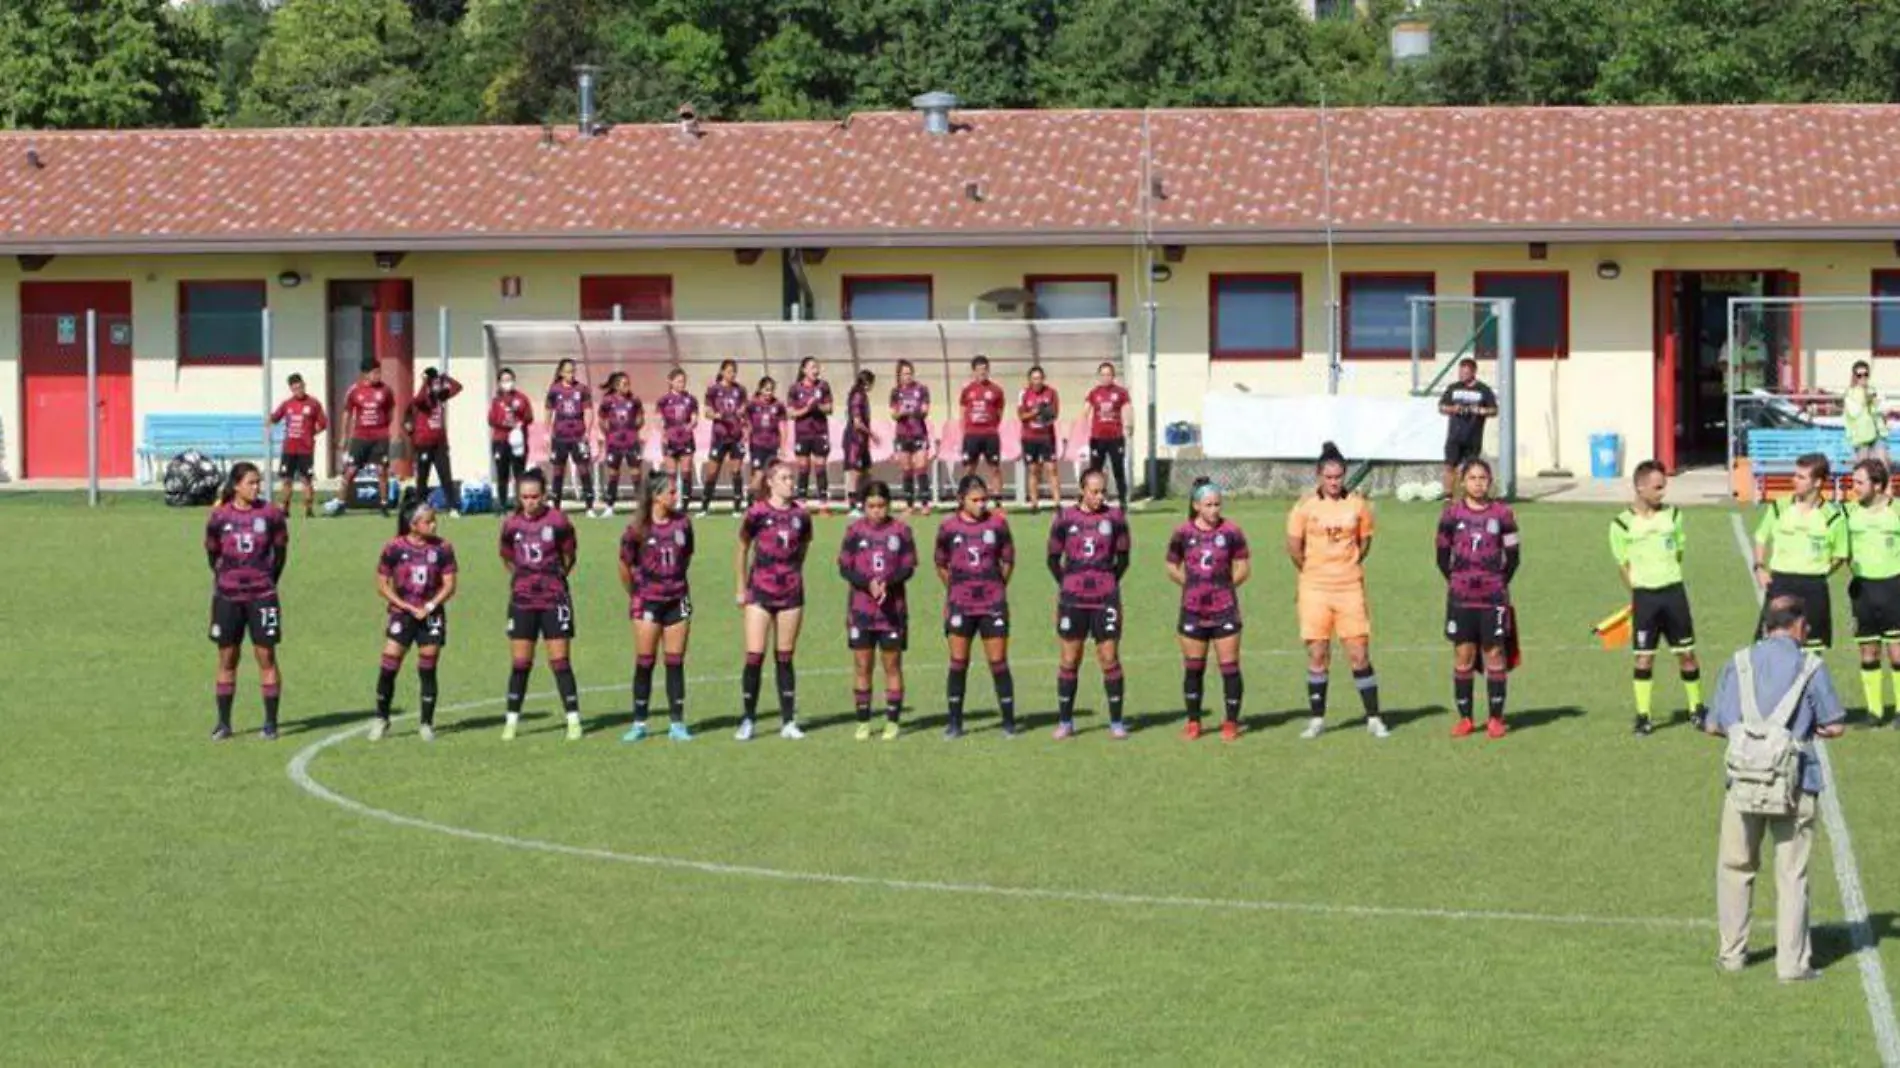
(1764, 758)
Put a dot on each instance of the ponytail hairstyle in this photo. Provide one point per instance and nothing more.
(968, 483)
(566, 364)
(809, 361)
(406, 517)
(650, 487)
(1329, 455)
(228, 492)
(1201, 482)
(612, 388)
(728, 365)
(866, 379)
(876, 489)
(531, 475)
(765, 382)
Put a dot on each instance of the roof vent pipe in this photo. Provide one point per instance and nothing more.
(589, 113)
(936, 108)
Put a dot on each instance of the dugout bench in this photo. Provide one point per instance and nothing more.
(221, 437)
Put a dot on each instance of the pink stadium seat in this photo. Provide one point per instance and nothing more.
(650, 449)
(538, 443)
(1012, 440)
(950, 441)
(1074, 446)
(702, 438)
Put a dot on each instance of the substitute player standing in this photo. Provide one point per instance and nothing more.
(656, 552)
(775, 535)
(765, 417)
(621, 418)
(416, 577)
(1088, 554)
(1647, 540)
(303, 420)
(369, 411)
(1808, 539)
(857, 440)
(570, 405)
(1040, 408)
(247, 543)
(1873, 549)
(538, 548)
(910, 412)
(1478, 555)
(427, 421)
(810, 402)
(975, 557)
(509, 416)
(878, 557)
(981, 403)
(1328, 537)
(1209, 560)
(679, 421)
(1108, 405)
(725, 406)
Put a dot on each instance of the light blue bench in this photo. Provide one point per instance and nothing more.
(222, 437)
(1772, 453)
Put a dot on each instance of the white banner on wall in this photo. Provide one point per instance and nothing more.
(1244, 426)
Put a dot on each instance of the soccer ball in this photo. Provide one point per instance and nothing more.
(1431, 491)
(333, 507)
(1407, 491)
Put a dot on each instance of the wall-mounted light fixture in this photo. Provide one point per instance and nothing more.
(1609, 270)
(290, 279)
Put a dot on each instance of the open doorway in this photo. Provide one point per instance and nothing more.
(1692, 361)
(371, 321)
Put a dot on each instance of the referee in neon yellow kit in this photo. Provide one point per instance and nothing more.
(1798, 544)
(1646, 540)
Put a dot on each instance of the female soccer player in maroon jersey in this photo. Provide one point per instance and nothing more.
(975, 557)
(877, 558)
(857, 439)
(725, 406)
(538, 548)
(810, 402)
(416, 577)
(1478, 553)
(774, 536)
(247, 543)
(679, 419)
(1088, 554)
(765, 419)
(621, 417)
(570, 425)
(1039, 408)
(1208, 559)
(910, 410)
(655, 554)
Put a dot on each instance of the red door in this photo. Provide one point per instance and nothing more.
(1668, 351)
(53, 377)
(640, 297)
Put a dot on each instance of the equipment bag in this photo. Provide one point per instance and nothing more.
(1764, 759)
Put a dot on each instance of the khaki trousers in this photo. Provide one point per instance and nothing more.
(1739, 857)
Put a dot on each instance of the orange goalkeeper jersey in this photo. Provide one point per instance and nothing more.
(1336, 533)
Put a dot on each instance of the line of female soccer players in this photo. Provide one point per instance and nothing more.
(1088, 551)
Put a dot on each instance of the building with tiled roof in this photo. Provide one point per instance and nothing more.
(1621, 231)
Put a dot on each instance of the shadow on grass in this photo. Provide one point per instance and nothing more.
(325, 721)
(1833, 942)
(1266, 721)
(1533, 718)
(491, 722)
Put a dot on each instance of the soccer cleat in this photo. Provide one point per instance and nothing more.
(221, 732)
(1376, 727)
(635, 733)
(952, 732)
(508, 730)
(1494, 727)
(574, 729)
(863, 733)
(791, 733)
(378, 729)
(1699, 719)
(1463, 727)
(1641, 727)
(1118, 731)
(269, 733)
(426, 732)
(1009, 728)
(1192, 732)
(744, 733)
(1315, 727)
(1064, 731)
(891, 731)
(1230, 731)
(678, 732)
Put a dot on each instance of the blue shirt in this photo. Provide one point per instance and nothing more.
(1776, 661)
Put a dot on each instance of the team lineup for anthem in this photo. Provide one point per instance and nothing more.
(1088, 550)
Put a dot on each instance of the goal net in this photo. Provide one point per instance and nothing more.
(1068, 351)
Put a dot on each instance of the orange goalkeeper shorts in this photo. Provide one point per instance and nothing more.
(1329, 614)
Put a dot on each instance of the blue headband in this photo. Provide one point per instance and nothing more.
(1203, 491)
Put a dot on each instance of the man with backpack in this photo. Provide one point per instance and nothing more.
(1772, 701)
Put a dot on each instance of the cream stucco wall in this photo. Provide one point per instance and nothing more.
(1607, 384)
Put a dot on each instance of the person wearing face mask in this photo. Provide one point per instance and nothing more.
(509, 416)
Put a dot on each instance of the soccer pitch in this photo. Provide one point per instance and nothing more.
(1546, 898)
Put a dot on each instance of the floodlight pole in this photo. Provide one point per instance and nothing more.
(92, 408)
(441, 338)
(1154, 361)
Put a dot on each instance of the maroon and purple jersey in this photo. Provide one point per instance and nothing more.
(246, 541)
(1046, 406)
(1477, 539)
(659, 557)
(537, 547)
(779, 538)
(726, 405)
(567, 410)
(415, 570)
(910, 406)
(620, 419)
(1207, 558)
(765, 422)
(982, 404)
(857, 413)
(814, 425)
(873, 551)
(678, 413)
(975, 554)
(1088, 543)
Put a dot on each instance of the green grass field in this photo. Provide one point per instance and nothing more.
(173, 901)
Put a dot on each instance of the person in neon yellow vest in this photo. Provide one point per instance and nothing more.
(1866, 422)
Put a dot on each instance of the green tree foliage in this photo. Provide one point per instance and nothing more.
(334, 63)
(103, 63)
(1176, 53)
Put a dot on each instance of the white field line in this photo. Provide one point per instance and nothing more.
(299, 771)
(1873, 975)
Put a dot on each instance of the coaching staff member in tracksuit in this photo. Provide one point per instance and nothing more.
(1467, 403)
(1777, 664)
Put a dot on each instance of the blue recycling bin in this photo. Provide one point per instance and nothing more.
(1606, 455)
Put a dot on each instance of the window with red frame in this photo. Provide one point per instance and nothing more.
(1887, 316)
(887, 298)
(1253, 316)
(1072, 296)
(221, 322)
(1540, 312)
(1377, 314)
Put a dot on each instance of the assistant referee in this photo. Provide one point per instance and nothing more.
(1646, 540)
